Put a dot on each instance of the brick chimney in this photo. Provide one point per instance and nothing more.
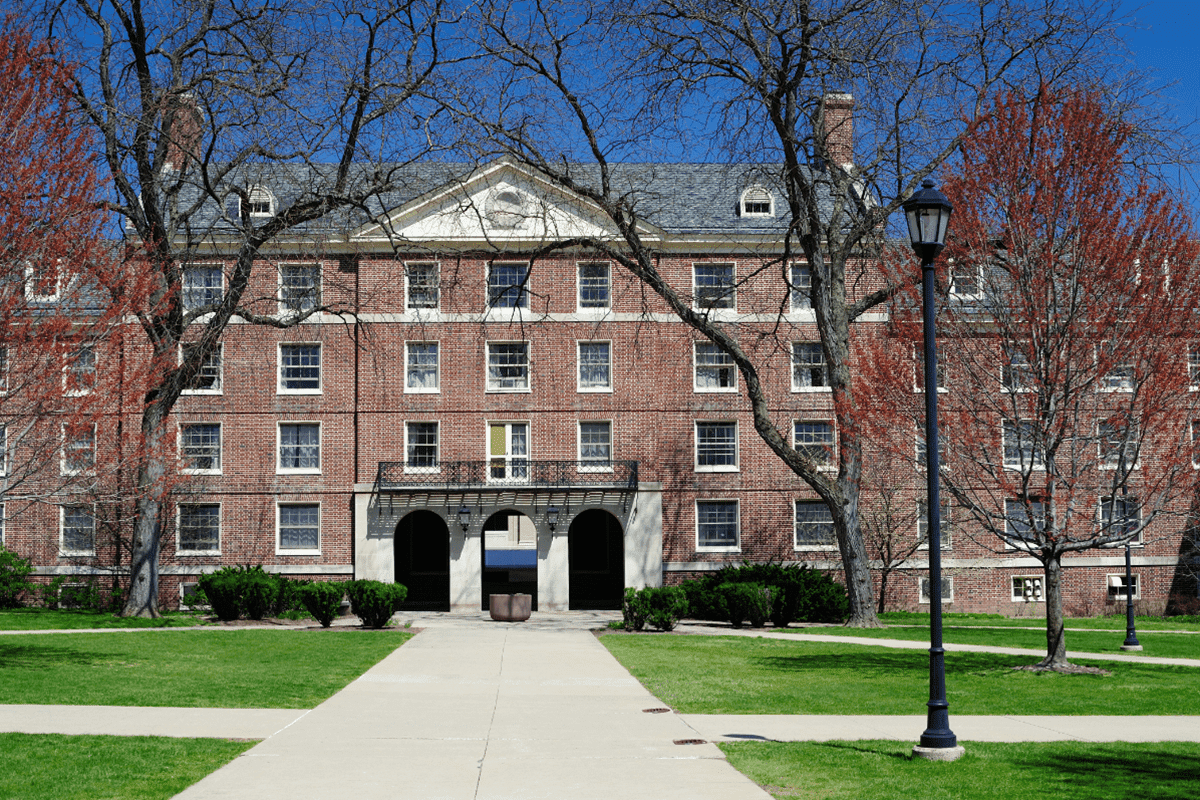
(182, 126)
(836, 125)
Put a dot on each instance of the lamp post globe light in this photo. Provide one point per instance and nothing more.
(928, 216)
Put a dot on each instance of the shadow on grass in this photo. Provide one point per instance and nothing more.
(887, 663)
(46, 656)
(900, 751)
(1148, 774)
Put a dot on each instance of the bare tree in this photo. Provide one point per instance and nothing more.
(226, 127)
(575, 89)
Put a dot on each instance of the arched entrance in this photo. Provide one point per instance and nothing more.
(509, 543)
(423, 561)
(596, 559)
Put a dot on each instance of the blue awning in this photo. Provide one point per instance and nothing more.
(510, 559)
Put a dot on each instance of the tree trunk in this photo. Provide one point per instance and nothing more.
(1056, 647)
(143, 551)
(856, 564)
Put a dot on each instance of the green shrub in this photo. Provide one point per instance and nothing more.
(800, 593)
(703, 601)
(323, 600)
(374, 602)
(286, 600)
(634, 610)
(223, 589)
(746, 601)
(259, 591)
(14, 578)
(664, 606)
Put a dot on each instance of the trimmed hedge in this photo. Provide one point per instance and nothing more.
(661, 606)
(250, 591)
(14, 577)
(323, 600)
(374, 602)
(800, 593)
(223, 590)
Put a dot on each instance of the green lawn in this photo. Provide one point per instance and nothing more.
(1111, 623)
(1156, 643)
(194, 668)
(45, 619)
(883, 770)
(35, 766)
(740, 675)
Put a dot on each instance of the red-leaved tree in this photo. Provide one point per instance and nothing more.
(1064, 335)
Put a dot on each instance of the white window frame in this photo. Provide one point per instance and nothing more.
(3, 468)
(280, 387)
(419, 469)
(1037, 456)
(830, 461)
(498, 386)
(4, 369)
(923, 586)
(219, 354)
(946, 524)
(956, 288)
(579, 384)
(796, 544)
(280, 550)
(436, 288)
(1103, 513)
(183, 459)
(62, 530)
(184, 605)
(716, 367)
(87, 469)
(1193, 368)
(409, 388)
(1194, 430)
(579, 301)
(257, 195)
(921, 454)
(31, 293)
(286, 306)
(70, 372)
(179, 546)
(732, 424)
(597, 465)
(736, 547)
(1011, 540)
(522, 287)
(282, 470)
(1116, 581)
(728, 299)
(1027, 588)
(799, 286)
(811, 367)
(184, 289)
(1110, 461)
(1114, 380)
(516, 466)
(918, 362)
(755, 194)
(1011, 369)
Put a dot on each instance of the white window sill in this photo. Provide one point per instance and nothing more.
(723, 390)
(583, 468)
(1029, 599)
(283, 390)
(700, 468)
(437, 390)
(198, 392)
(80, 393)
(717, 549)
(812, 389)
(76, 553)
(183, 471)
(594, 389)
(297, 552)
(194, 553)
(524, 390)
(285, 471)
(825, 548)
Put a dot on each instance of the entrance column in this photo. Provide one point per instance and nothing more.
(466, 564)
(554, 585)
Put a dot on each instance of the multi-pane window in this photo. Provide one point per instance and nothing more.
(79, 372)
(422, 367)
(421, 447)
(1016, 374)
(207, 379)
(78, 530)
(1027, 588)
(713, 286)
(595, 445)
(947, 586)
(595, 367)
(919, 372)
(1119, 375)
(3, 369)
(814, 440)
(595, 285)
(508, 366)
(299, 368)
(800, 290)
(715, 371)
(43, 282)
(423, 285)
(1117, 590)
(716, 446)
(1025, 521)
(299, 446)
(1022, 449)
(1121, 515)
(200, 446)
(943, 522)
(1193, 366)
(203, 287)
(3, 464)
(299, 288)
(299, 527)
(79, 449)
(813, 525)
(717, 524)
(508, 285)
(508, 451)
(260, 202)
(1118, 445)
(757, 202)
(923, 450)
(966, 280)
(809, 370)
(199, 527)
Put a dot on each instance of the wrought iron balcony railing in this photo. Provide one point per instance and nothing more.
(500, 473)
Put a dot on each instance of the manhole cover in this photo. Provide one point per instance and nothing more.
(690, 741)
(656, 711)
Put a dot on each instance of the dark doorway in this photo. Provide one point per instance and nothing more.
(423, 561)
(509, 544)
(596, 558)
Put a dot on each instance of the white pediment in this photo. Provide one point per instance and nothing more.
(498, 205)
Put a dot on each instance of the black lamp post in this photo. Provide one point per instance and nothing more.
(928, 215)
(1131, 642)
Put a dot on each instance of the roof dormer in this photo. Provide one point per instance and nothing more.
(756, 201)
